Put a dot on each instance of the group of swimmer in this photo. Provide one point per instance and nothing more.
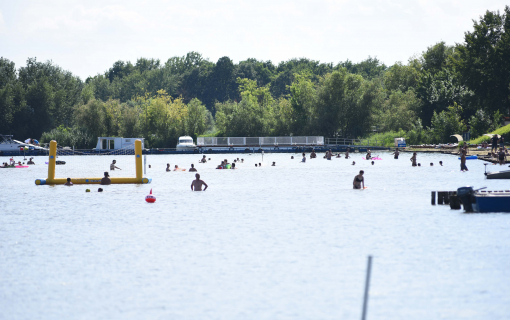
(13, 163)
(358, 182)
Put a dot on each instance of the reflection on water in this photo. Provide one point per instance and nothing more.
(284, 242)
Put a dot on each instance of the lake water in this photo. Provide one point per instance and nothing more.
(283, 242)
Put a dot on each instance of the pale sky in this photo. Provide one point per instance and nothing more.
(87, 37)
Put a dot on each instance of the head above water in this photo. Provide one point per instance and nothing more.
(197, 176)
(68, 179)
(192, 165)
(361, 172)
(372, 163)
(431, 164)
(106, 175)
(114, 161)
(255, 164)
(100, 190)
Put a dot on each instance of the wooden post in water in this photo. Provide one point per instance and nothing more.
(440, 196)
(367, 284)
(433, 198)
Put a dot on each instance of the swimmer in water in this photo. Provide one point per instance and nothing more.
(192, 169)
(255, 165)
(369, 154)
(313, 155)
(203, 160)
(113, 166)
(168, 169)
(413, 159)
(178, 169)
(441, 163)
(233, 166)
(347, 153)
(353, 163)
(396, 153)
(359, 181)
(197, 184)
(431, 164)
(100, 190)
(274, 164)
(292, 157)
(68, 183)
(372, 163)
(304, 158)
(30, 161)
(106, 179)
(329, 154)
(419, 164)
(260, 164)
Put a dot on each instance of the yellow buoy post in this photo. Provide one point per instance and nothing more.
(52, 162)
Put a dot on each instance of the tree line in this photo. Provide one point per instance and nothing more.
(445, 90)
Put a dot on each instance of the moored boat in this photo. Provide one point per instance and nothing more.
(185, 143)
(484, 201)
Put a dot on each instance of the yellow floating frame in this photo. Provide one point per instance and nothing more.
(52, 162)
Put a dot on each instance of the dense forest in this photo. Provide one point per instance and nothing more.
(445, 90)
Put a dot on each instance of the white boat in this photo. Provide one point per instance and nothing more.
(185, 142)
(7, 143)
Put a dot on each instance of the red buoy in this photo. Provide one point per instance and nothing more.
(150, 198)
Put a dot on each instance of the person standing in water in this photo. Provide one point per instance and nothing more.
(463, 161)
(196, 185)
(329, 154)
(192, 169)
(359, 181)
(68, 183)
(347, 153)
(113, 166)
(369, 154)
(395, 154)
(168, 169)
(304, 158)
(501, 156)
(413, 159)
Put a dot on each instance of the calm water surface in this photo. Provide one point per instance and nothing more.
(284, 242)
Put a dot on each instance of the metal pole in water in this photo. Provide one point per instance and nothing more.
(367, 284)
(144, 164)
(262, 155)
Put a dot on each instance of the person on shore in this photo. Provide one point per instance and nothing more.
(168, 169)
(359, 181)
(501, 156)
(413, 159)
(463, 162)
(68, 183)
(192, 169)
(494, 141)
(502, 142)
(347, 153)
(203, 160)
(196, 185)
(106, 179)
(113, 166)
(395, 154)
(369, 154)
(304, 158)
(30, 161)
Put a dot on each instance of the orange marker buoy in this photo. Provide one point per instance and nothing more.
(150, 198)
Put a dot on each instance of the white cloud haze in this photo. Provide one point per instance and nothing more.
(87, 37)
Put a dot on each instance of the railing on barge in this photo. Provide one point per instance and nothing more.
(260, 141)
